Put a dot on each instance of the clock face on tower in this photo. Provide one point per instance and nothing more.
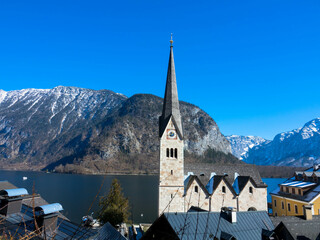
(171, 134)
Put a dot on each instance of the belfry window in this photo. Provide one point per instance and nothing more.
(171, 151)
(223, 189)
(176, 153)
(168, 155)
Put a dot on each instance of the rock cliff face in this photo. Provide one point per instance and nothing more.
(83, 130)
(299, 147)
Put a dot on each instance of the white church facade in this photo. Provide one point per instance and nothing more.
(209, 187)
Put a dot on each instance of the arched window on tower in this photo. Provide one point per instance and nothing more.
(176, 153)
(168, 155)
(171, 151)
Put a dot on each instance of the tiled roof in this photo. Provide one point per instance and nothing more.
(206, 225)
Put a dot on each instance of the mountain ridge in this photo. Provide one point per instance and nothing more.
(298, 147)
(74, 129)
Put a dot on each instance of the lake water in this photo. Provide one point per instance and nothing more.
(76, 193)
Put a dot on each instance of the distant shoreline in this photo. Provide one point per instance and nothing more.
(264, 170)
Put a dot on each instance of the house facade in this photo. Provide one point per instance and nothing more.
(293, 194)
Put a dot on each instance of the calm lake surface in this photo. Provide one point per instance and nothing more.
(76, 193)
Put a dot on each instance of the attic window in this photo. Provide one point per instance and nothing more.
(196, 189)
(223, 189)
(250, 190)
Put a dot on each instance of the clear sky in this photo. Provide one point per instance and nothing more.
(254, 66)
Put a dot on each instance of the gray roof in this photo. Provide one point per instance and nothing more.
(107, 231)
(204, 225)
(308, 196)
(21, 224)
(171, 101)
(6, 185)
(298, 226)
(229, 169)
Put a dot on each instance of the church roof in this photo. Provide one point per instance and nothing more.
(171, 101)
(226, 170)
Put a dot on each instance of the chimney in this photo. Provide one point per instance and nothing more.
(307, 211)
(11, 200)
(47, 217)
(232, 214)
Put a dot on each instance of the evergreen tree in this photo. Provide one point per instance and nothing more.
(114, 207)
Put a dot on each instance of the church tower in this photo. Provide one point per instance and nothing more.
(171, 184)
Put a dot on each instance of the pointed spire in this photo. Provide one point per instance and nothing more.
(171, 101)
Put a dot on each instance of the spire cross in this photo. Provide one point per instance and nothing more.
(171, 41)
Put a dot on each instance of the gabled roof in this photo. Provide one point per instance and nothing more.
(171, 100)
(298, 227)
(107, 231)
(227, 170)
(206, 225)
(215, 181)
(189, 180)
(240, 182)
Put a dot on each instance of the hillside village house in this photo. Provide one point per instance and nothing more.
(298, 192)
(238, 186)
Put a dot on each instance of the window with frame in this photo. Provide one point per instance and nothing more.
(282, 204)
(250, 190)
(223, 189)
(168, 152)
(176, 153)
(289, 207)
(293, 190)
(196, 189)
(287, 190)
(275, 202)
(296, 209)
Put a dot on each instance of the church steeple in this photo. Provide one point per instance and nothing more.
(171, 101)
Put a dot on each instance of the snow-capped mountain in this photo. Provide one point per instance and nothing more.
(299, 147)
(240, 145)
(93, 130)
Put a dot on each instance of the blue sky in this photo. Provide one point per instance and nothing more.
(254, 66)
